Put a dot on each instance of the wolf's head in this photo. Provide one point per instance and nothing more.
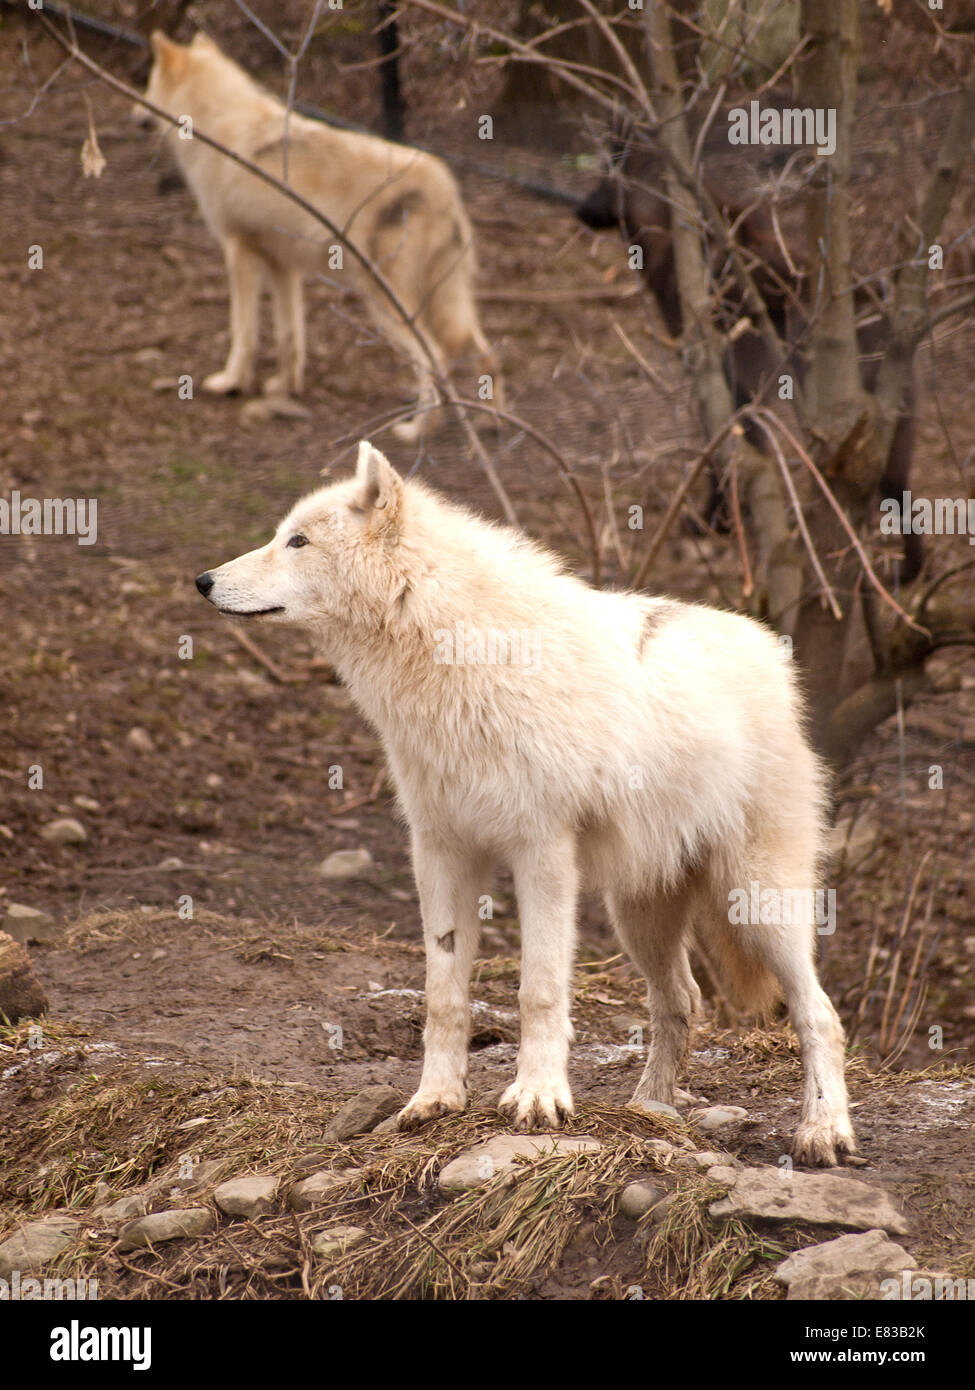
(334, 561)
(186, 79)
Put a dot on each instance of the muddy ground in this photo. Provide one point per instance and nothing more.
(227, 801)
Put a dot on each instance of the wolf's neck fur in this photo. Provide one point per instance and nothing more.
(457, 577)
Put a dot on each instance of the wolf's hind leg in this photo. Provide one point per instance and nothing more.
(245, 271)
(654, 929)
(288, 303)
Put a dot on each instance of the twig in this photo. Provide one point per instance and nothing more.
(678, 501)
(270, 666)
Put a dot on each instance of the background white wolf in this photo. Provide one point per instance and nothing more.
(653, 751)
(399, 205)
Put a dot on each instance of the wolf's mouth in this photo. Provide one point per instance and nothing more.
(248, 612)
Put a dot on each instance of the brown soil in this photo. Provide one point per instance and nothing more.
(132, 291)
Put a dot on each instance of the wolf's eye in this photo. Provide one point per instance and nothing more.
(297, 541)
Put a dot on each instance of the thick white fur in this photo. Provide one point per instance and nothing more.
(654, 752)
(399, 205)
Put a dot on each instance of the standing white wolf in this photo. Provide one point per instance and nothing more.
(648, 748)
(399, 205)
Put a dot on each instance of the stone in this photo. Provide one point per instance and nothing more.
(819, 1199)
(845, 1268)
(717, 1116)
(27, 924)
(477, 1166)
(315, 1191)
(21, 994)
(654, 1107)
(123, 1209)
(139, 740)
(703, 1160)
(363, 1112)
(251, 1196)
(347, 863)
(639, 1197)
(337, 1239)
(660, 1149)
(722, 1174)
(173, 1180)
(160, 1226)
(660, 1211)
(64, 831)
(36, 1244)
(388, 1126)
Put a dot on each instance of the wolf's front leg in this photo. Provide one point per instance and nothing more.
(449, 884)
(546, 881)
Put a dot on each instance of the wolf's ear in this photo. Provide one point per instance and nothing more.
(202, 40)
(380, 486)
(170, 56)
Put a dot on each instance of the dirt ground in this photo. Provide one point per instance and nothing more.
(228, 803)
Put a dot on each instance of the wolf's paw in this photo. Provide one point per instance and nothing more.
(530, 1107)
(430, 1105)
(281, 384)
(223, 384)
(817, 1144)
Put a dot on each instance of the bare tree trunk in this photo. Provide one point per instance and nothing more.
(837, 411)
(780, 576)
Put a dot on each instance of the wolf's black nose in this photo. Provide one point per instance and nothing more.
(204, 582)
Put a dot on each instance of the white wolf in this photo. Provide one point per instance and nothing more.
(650, 749)
(399, 205)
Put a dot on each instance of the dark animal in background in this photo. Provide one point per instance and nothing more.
(632, 198)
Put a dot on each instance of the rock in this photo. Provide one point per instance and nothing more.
(388, 1126)
(662, 1208)
(337, 1239)
(36, 1244)
(26, 924)
(703, 1160)
(639, 1197)
(821, 1199)
(86, 803)
(21, 995)
(167, 1225)
(347, 863)
(717, 1116)
(315, 1191)
(477, 1166)
(251, 1196)
(723, 1174)
(363, 1112)
(173, 1181)
(170, 864)
(660, 1149)
(139, 740)
(123, 1209)
(654, 1107)
(64, 831)
(845, 1268)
